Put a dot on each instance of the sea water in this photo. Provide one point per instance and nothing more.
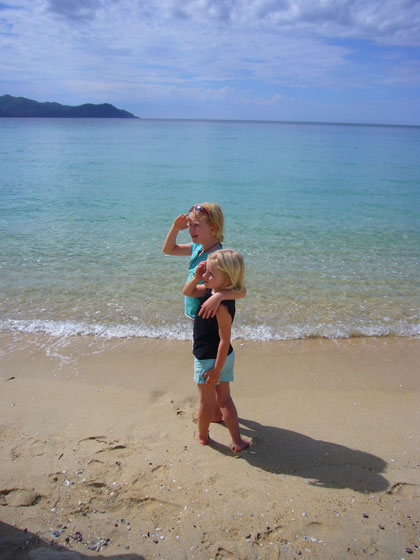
(327, 217)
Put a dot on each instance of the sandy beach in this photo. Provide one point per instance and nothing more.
(98, 455)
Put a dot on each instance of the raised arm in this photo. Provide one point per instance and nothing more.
(192, 288)
(210, 306)
(170, 246)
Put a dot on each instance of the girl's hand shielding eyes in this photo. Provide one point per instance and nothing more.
(200, 270)
(181, 222)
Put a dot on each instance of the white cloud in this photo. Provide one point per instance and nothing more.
(75, 9)
(389, 21)
(395, 22)
(209, 51)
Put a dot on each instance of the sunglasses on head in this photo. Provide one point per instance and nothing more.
(199, 208)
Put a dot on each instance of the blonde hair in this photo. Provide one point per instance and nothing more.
(214, 218)
(231, 263)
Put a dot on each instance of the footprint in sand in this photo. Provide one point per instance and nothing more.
(108, 449)
(270, 534)
(223, 553)
(19, 497)
(186, 409)
(27, 445)
(156, 396)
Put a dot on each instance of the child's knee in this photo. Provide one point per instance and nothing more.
(223, 400)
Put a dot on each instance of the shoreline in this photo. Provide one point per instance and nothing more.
(94, 432)
(181, 331)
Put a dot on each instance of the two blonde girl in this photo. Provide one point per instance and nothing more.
(205, 223)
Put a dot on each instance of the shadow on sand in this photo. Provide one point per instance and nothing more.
(18, 544)
(324, 464)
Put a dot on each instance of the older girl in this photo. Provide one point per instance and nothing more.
(205, 223)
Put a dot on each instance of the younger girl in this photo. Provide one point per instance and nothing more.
(213, 353)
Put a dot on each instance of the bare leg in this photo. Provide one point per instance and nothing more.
(230, 415)
(205, 411)
(217, 414)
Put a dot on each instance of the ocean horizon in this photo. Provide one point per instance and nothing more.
(327, 216)
(261, 121)
(226, 120)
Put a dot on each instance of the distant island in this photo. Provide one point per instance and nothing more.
(22, 107)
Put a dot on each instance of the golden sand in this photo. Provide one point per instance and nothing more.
(98, 456)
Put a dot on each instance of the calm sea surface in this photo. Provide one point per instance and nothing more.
(327, 217)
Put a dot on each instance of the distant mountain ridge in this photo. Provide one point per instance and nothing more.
(22, 107)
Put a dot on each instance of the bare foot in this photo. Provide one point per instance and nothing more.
(241, 446)
(201, 440)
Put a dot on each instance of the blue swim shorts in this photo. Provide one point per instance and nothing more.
(201, 366)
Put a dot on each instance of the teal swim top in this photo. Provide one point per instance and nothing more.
(191, 304)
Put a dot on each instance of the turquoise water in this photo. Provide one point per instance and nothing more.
(327, 217)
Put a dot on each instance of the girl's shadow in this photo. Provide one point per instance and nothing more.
(325, 464)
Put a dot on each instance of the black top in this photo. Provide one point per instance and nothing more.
(206, 331)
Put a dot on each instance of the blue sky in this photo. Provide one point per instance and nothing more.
(299, 60)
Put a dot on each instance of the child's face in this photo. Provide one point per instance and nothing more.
(199, 229)
(213, 278)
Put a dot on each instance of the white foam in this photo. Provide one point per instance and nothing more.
(182, 331)
(68, 329)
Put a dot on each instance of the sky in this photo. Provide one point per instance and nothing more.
(355, 61)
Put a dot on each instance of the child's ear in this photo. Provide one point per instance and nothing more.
(228, 281)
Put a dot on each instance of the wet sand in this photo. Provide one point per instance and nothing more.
(98, 456)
